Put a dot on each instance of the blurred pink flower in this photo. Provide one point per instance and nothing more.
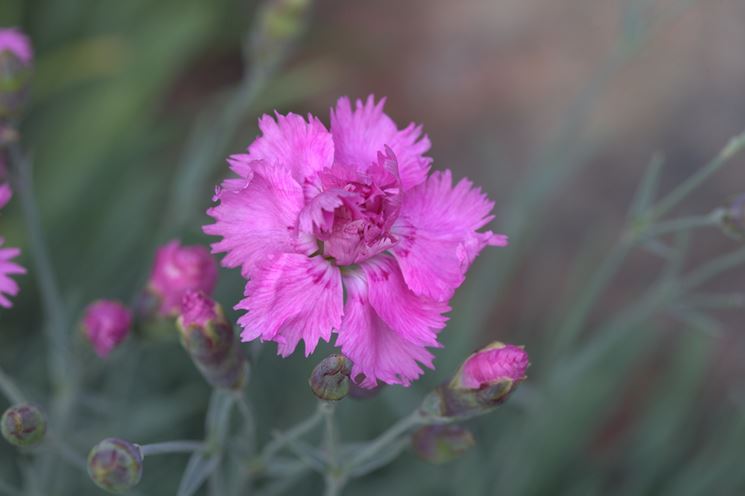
(8, 287)
(178, 269)
(5, 194)
(495, 363)
(13, 40)
(314, 214)
(106, 324)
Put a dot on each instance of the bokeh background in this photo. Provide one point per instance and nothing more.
(555, 108)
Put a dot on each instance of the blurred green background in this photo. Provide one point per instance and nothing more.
(555, 108)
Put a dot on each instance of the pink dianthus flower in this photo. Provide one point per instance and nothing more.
(315, 215)
(14, 41)
(178, 269)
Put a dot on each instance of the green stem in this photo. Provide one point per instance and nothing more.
(334, 476)
(54, 308)
(8, 490)
(575, 321)
(278, 443)
(676, 225)
(172, 447)
(734, 146)
(211, 135)
(388, 438)
(10, 390)
(66, 452)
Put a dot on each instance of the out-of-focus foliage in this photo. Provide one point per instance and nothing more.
(612, 406)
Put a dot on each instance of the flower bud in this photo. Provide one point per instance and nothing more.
(441, 443)
(280, 23)
(732, 217)
(178, 269)
(115, 465)
(106, 324)
(16, 59)
(211, 342)
(330, 379)
(23, 425)
(484, 381)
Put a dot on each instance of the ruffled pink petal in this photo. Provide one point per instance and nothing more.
(318, 215)
(304, 148)
(257, 215)
(438, 238)
(292, 297)
(360, 133)
(414, 318)
(367, 336)
(8, 287)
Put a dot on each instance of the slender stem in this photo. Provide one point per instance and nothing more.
(334, 476)
(712, 269)
(54, 308)
(7, 489)
(601, 278)
(211, 135)
(388, 438)
(334, 486)
(66, 452)
(682, 224)
(10, 390)
(730, 300)
(172, 447)
(330, 439)
(297, 431)
(734, 146)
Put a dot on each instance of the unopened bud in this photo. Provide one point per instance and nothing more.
(484, 381)
(441, 443)
(732, 217)
(280, 22)
(106, 324)
(115, 465)
(178, 269)
(16, 59)
(211, 341)
(23, 425)
(330, 379)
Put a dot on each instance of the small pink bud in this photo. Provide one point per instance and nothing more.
(178, 269)
(483, 382)
(106, 324)
(495, 363)
(211, 342)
